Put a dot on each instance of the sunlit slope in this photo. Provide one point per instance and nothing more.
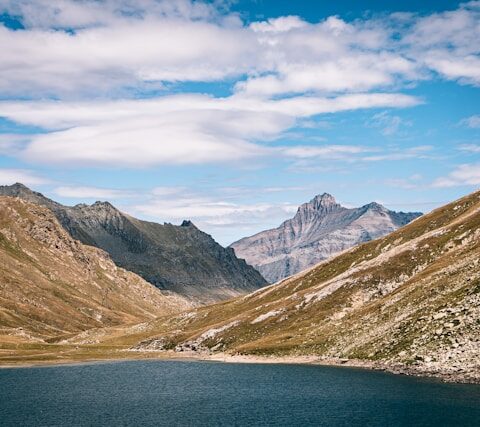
(52, 285)
(412, 297)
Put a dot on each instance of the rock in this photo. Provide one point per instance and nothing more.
(439, 316)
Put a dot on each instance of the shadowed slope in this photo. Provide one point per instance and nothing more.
(176, 258)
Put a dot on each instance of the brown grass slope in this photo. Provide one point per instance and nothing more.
(52, 286)
(410, 299)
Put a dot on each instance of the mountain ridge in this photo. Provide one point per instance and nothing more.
(320, 229)
(181, 258)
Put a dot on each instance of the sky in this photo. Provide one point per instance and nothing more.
(233, 113)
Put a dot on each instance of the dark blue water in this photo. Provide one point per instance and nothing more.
(173, 393)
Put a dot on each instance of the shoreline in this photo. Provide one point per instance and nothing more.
(395, 369)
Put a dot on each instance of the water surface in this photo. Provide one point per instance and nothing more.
(177, 393)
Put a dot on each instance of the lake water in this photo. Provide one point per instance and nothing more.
(176, 393)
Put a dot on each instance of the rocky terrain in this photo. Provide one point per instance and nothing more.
(52, 286)
(182, 258)
(320, 229)
(408, 302)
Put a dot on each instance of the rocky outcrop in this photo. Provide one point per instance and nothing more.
(176, 258)
(320, 229)
(51, 285)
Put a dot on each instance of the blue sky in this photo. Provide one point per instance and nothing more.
(232, 113)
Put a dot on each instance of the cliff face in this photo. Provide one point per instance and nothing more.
(52, 285)
(176, 258)
(407, 302)
(320, 228)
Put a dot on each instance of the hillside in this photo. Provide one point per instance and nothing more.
(409, 302)
(320, 229)
(176, 258)
(52, 286)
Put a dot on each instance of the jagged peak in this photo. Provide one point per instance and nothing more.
(187, 223)
(98, 206)
(18, 186)
(324, 199)
(375, 207)
(320, 202)
(99, 203)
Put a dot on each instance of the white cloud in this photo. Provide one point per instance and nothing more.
(24, 176)
(411, 183)
(291, 70)
(466, 174)
(331, 152)
(470, 148)
(447, 43)
(214, 213)
(121, 44)
(84, 192)
(68, 14)
(472, 121)
(419, 152)
(388, 124)
(118, 44)
(178, 129)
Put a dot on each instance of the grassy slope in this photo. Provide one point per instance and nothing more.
(52, 286)
(412, 295)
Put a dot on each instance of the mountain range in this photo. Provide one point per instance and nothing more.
(408, 302)
(181, 258)
(320, 229)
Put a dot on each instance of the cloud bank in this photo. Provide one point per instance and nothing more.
(112, 67)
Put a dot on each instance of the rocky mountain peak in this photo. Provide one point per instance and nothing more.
(97, 209)
(321, 203)
(377, 207)
(323, 200)
(20, 186)
(103, 206)
(320, 229)
(16, 189)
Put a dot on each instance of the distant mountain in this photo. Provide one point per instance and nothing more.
(177, 258)
(52, 285)
(408, 302)
(320, 229)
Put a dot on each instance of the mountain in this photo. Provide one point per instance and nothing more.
(176, 258)
(320, 228)
(52, 285)
(407, 302)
